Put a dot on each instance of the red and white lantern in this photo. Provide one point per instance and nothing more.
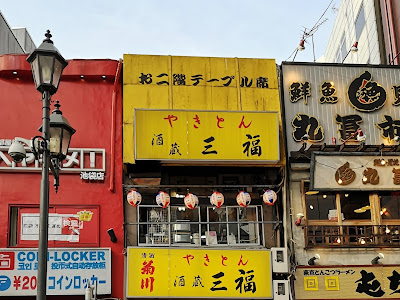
(191, 201)
(134, 198)
(243, 199)
(162, 199)
(217, 199)
(269, 197)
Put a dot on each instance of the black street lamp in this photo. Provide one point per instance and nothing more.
(47, 65)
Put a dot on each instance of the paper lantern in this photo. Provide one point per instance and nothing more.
(217, 199)
(134, 198)
(243, 199)
(162, 199)
(191, 201)
(269, 197)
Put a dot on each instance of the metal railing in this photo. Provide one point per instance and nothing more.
(347, 236)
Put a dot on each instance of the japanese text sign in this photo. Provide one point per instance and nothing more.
(206, 135)
(69, 271)
(209, 273)
(348, 172)
(352, 282)
(329, 103)
(196, 83)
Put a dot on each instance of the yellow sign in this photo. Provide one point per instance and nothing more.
(196, 83)
(352, 282)
(206, 135)
(209, 273)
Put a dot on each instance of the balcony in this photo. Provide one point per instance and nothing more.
(348, 236)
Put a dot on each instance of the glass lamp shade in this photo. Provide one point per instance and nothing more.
(60, 134)
(47, 65)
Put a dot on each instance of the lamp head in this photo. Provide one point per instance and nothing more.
(354, 48)
(397, 139)
(17, 151)
(301, 45)
(312, 260)
(375, 261)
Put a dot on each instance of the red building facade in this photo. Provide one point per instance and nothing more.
(89, 200)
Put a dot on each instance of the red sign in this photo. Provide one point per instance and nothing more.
(7, 260)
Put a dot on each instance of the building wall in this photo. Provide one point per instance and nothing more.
(8, 42)
(93, 107)
(344, 29)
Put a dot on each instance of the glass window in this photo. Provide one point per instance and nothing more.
(355, 205)
(179, 226)
(390, 208)
(320, 206)
(360, 23)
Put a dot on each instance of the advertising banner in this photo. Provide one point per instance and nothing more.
(207, 135)
(210, 273)
(69, 271)
(351, 282)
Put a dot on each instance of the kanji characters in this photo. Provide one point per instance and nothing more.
(148, 268)
(306, 125)
(365, 94)
(396, 176)
(262, 82)
(179, 79)
(328, 92)
(145, 78)
(348, 125)
(163, 81)
(246, 283)
(370, 176)
(197, 281)
(394, 282)
(389, 127)
(174, 149)
(300, 91)
(372, 289)
(157, 140)
(254, 142)
(207, 147)
(216, 283)
(179, 281)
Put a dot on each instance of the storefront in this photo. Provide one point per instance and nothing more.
(342, 140)
(89, 198)
(202, 146)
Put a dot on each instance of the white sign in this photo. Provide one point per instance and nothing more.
(69, 271)
(77, 160)
(62, 227)
(342, 171)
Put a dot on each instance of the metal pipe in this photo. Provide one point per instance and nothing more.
(44, 204)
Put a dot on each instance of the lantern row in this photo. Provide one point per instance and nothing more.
(191, 201)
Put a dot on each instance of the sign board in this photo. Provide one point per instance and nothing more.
(69, 271)
(195, 273)
(84, 161)
(195, 83)
(206, 135)
(351, 282)
(67, 225)
(349, 172)
(330, 102)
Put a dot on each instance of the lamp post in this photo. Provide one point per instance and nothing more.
(47, 65)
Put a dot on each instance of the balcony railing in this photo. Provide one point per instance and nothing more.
(352, 236)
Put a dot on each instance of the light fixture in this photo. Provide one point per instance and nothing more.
(362, 241)
(353, 49)
(311, 207)
(312, 192)
(82, 76)
(15, 73)
(340, 181)
(383, 211)
(396, 138)
(47, 66)
(112, 235)
(346, 195)
(312, 260)
(364, 178)
(338, 240)
(387, 230)
(324, 196)
(103, 76)
(301, 45)
(383, 162)
(375, 261)
(361, 137)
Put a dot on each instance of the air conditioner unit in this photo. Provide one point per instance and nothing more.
(281, 289)
(280, 263)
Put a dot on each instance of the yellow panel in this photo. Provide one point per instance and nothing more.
(196, 83)
(199, 273)
(129, 152)
(206, 135)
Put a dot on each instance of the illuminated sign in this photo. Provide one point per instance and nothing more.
(210, 273)
(206, 135)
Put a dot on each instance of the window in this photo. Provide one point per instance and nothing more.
(360, 23)
(202, 226)
(367, 219)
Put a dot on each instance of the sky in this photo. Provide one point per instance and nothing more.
(220, 28)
